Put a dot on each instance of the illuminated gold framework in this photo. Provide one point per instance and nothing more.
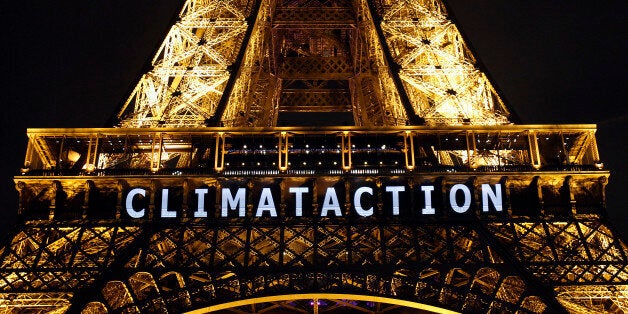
(206, 116)
(342, 301)
(220, 150)
(550, 240)
(241, 63)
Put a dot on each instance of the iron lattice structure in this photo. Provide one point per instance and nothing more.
(206, 122)
(240, 63)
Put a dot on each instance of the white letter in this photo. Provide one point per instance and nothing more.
(229, 200)
(428, 209)
(165, 213)
(467, 198)
(331, 203)
(200, 211)
(129, 203)
(266, 203)
(395, 197)
(358, 204)
(298, 199)
(496, 197)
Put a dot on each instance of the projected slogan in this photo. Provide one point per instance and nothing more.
(354, 198)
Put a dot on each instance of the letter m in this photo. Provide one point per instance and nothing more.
(233, 202)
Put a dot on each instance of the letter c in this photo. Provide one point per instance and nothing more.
(129, 203)
(358, 204)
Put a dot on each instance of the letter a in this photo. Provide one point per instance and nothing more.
(266, 203)
(331, 203)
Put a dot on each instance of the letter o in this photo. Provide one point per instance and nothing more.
(467, 198)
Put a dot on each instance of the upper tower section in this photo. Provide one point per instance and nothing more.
(439, 72)
(191, 67)
(265, 62)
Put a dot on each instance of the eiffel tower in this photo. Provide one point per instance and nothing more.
(313, 156)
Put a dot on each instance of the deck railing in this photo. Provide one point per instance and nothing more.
(312, 151)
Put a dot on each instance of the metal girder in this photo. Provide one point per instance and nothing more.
(195, 63)
(193, 266)
(438, 69)
(600, 298)
(500, 148)
(35, 302)
(190, 68)
(486, 263)
(437, 77)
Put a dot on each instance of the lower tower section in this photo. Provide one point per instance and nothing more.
(462, 219)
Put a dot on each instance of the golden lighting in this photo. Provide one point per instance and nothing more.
(327, 296)
(73, 156)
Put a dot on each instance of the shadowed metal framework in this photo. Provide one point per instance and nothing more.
(211, 115)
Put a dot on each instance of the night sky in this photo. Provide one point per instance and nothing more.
(72, 63)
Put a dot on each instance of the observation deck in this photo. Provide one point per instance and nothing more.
(310, 150)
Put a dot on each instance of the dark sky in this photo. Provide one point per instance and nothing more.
(71, 64)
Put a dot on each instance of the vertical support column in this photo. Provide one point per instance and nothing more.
(569, 195)
(156, 149)
(476, 192)
(215, 119)
(499, 149)
(564, 150)
(408, 149)
(186, 195)
(348, 200)
(356, 99)
(603, 181)
(56, 190)
(45, 153)
(217, 209)
(59, 156)
(219, 155)
(23, 192)
(282, 148)
(28, 159)
(537, 189)
(90, 188)
(315, 208)
(393, 67)
(471, 149)
(122, 185)
(346, 151)
(440, 189)
(505, 182)
(283, 186)
(533, 143)
(594, 151)
(152, 192)
(92, 153)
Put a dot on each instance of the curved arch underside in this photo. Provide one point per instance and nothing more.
(322, 303)
(173, 292)
(189, 267)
